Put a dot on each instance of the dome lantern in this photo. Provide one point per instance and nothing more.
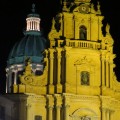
(31, 46)
(33, 21)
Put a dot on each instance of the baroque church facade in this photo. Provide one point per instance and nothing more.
(72, 79)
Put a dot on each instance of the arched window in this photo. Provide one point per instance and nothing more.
(37, 117)
(83, 32)
(85, 78)
(85, 118)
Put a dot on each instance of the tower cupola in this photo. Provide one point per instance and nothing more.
(33, 21)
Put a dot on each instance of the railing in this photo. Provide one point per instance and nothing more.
(81, 44)
(84, 44)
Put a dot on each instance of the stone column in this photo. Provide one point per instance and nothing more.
(10, 81)
(47, 63)
(58, 107)
(107, 72)
(33, 25)
(51, 65)
(67, 67)
(50, 112)
(6, 82)
(108, 115)
(51, 60)
(103, 70)
(58, 65)
(15, 77)
(28, 112)
(111, 70)
(111, 74)
(111, 115)
(28, 25)
(66, 106)
(59, 87)
(15, 87)
(50, 104)
(104, 114)
(66, 112)
(58, 102)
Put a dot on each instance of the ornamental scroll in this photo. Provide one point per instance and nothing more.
(28, 78)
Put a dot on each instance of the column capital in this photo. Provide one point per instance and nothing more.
(58, 100)
(15, 69)
(50, 107)
(58, 49)
(66, 106)
(28, 106)
(51, 50)
(102, 57)
(58, 106)
(50, 100)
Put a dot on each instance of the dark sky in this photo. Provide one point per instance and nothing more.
(12, 22)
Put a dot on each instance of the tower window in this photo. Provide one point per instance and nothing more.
(37, 117)
(83, 32)
(85, 76)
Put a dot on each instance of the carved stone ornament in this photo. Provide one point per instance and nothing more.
(83, 60)
(83, 8)
(108, 40)
(28, 78)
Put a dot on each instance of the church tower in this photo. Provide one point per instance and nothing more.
(73, 78)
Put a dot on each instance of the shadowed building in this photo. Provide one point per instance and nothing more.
(73, 78)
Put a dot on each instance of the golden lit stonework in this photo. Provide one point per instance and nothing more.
(78, 80)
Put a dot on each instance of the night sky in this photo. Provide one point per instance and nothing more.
(12, 22)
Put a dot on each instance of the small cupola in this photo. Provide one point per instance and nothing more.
(33, 21)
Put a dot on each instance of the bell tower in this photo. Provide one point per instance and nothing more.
(77, 30)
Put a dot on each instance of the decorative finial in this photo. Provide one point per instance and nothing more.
(98, 7)
(33, 8)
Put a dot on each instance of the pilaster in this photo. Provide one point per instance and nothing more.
(103, 69)
(59, 86)
(111, 70)
(107, 71)
(58, 102)
(50, 105)
(51, 60)
(108, 115)
(66, 107)
(29, 117)
(103, 114)
(58, 108)
(67, 49)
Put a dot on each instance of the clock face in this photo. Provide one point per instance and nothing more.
(84, 8)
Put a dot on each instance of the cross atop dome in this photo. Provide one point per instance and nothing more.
(33, 8)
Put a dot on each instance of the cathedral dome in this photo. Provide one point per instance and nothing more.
(31, 45)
